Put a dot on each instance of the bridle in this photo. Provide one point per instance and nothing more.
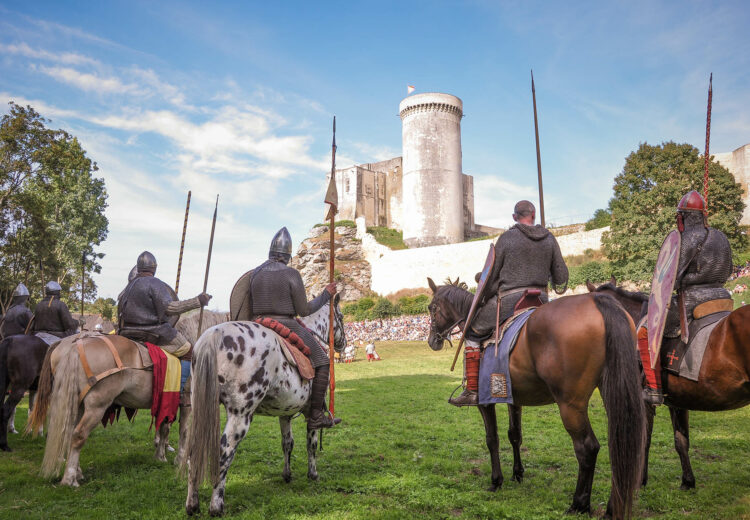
(445, 334)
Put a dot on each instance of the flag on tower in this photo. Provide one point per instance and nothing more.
(409, 89)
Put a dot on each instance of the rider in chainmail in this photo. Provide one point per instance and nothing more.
(146, 306)
(277, 292)
(526, 257)
(704, 266)
(52, 316)
(18, 316)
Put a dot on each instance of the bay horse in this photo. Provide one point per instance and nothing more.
(723, 381)
(72, 419)
(566, 349)
(21, 358)
(241, 365)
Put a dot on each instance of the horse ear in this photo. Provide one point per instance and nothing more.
(590, 286)
(613, 281)
(432, 285)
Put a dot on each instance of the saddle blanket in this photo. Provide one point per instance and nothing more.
(494, 368)
(49, 339)
(165, 393)
(686, 360)
(294, 349)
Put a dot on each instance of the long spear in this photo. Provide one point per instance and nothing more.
(538, 155)
(332, 199)
(708, 138)
(182, 245)
(208, 264)
(83, 281)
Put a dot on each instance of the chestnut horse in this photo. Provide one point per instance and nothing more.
(566, 349)
(723, 381)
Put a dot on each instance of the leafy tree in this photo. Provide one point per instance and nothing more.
(602, 218)
(383, 308)
(105, 307)
(51, 207)
(646, 194)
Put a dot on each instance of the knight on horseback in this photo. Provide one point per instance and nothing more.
(148, 309)
(51, 315)
(527, 257)
(18, 315)
(705, 264)
(277, 292)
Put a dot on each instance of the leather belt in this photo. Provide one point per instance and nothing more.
(503, 294)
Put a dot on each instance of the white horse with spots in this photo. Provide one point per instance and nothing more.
(241, 365)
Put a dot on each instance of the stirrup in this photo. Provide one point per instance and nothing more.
(466, 398)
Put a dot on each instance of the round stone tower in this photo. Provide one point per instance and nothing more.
(432, 186)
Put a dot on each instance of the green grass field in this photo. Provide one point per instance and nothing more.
(402, 452)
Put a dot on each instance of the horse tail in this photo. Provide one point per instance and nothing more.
(204, 437)
(63, 410)
(621, 391)
(4, 345)
(38, 415)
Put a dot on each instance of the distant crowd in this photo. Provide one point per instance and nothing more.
(403, 328)
(740, 271)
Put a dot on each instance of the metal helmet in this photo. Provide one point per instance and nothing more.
(281, 243)
(21, 290)
(133, 273)
(98, 327)
(52, 288)
(146, 263)
(692, 201)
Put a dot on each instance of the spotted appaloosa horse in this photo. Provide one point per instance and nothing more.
(723, 382)
(241, 365)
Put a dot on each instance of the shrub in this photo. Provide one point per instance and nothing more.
(388, 237)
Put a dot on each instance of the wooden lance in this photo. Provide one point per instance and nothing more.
(708, 138)
(208, 265)
(332, 199)
(538, 154)
(83, 283)
(182, 245)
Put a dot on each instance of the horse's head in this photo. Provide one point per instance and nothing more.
(444, 314)
(339, 336)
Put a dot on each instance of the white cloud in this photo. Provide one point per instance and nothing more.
(87, 81)
(68, 58)
(494, 199)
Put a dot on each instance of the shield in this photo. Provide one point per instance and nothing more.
(481, 285)
(660, 298)
(240, 306)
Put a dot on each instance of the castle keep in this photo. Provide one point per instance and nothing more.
(424, 193)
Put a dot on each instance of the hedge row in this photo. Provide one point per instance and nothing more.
(378, 308)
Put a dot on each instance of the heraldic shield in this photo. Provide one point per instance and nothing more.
(240, 305)
(662, 284)
(481, 289)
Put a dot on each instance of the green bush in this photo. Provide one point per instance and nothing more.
(413, 304)
(383, 308)
(602, 218)
(388, 237)
(597, 271)
(337, 223)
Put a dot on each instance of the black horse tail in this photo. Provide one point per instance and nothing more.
(3, 369)
(38, 415)
(621, 391)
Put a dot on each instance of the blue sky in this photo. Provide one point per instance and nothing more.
(236, 98)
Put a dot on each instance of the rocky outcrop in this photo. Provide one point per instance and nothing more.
(352, 272)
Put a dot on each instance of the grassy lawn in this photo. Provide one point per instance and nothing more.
(402, 452)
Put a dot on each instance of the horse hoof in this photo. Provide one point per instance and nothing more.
(216, 512)
(518, 477)
(287, 478)
(495, 487)
(313, 476)
(192, 510)
(574, 510)
(5, 448)
(12, 430)
(686, 486)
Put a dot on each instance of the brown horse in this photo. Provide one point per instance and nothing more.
(71, 419)
(566, 349)
(723, 382)
(21, 358)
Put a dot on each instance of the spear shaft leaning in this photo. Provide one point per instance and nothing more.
(208, 265)
(182, 245)
(538, 154)
(708, 138)
(331, 276)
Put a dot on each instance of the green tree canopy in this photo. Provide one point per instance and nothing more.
(646, 194)
(602, 218)
(51, 207)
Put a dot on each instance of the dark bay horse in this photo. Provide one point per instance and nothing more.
(21, 358)
(723, 382)
(568, 348)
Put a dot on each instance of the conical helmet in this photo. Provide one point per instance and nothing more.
(281, 243)
(133, 273)
(21, 290)
(52, 288)
(146, 263)
(692, 201)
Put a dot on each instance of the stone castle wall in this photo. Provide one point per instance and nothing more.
(738, 163)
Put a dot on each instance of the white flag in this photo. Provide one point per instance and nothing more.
(409, 89)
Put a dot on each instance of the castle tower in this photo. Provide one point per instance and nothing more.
(432, 207)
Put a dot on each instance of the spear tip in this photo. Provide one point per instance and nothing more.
(532, 79)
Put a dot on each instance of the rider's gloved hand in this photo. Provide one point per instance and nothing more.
(204, 299)
(331, 288)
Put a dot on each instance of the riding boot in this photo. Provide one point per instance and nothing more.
(470, 395)
(652, 393)
(318, 418)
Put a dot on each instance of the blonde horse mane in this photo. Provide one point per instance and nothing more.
(188, 323)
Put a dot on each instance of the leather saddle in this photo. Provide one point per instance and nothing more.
(530, 298)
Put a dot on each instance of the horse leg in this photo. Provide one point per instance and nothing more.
(681, 427)
(88, 421)
(493, 444)
(287, 445)
(515, 437)
(312, 454)
(234, 432)
(586, 446)
(160, 442)
(8, 412)
(185, 410)
(650, 413)
(12, 421)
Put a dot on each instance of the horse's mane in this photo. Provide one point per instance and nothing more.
(633, 295)
(456, 295)
(188, 323)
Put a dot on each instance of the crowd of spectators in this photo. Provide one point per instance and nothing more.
(403, 328)
(740, 271)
